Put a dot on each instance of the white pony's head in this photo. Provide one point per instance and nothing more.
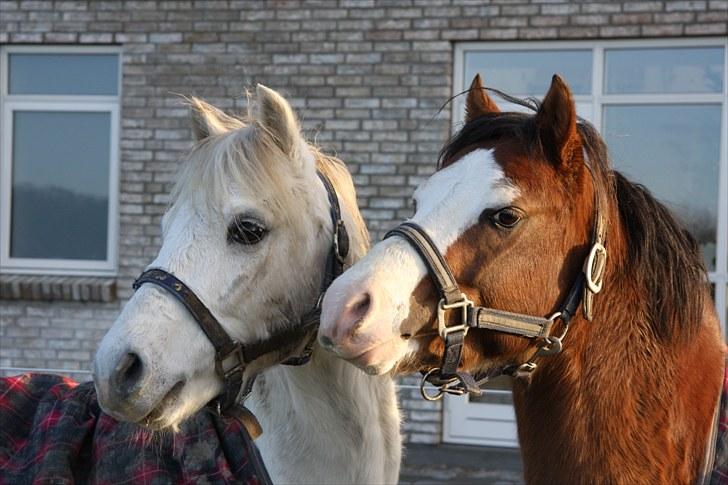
(248, 230)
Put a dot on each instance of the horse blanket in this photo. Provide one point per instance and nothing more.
(52, 431)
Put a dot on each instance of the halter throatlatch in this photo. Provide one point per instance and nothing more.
(231, 356)
(446, 378)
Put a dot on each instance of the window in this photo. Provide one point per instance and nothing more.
(661, 105)
(59, 131)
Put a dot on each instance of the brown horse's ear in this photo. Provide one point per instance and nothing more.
(478, 102)
(556, 123)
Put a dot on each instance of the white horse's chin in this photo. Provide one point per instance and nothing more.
(169, 411)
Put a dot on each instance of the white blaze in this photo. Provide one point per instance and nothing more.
(448, 203)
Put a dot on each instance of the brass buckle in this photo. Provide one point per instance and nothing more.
(443, 307)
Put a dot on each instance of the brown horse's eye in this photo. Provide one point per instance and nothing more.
(507, 218)
(246, 231)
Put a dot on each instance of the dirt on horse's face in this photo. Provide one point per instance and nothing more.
(512, 218)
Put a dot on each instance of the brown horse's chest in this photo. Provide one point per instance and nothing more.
(579, 424)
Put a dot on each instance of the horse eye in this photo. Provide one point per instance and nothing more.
(507, 218)
(246, 231)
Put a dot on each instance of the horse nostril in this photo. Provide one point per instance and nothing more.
(128, 373)
(359, 308)
(326, 342)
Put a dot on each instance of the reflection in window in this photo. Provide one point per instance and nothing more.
(664, 70)
(83, 74)
(530, 72)
(674, 150)
(60, 185)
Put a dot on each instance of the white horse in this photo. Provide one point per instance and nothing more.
(249, 230)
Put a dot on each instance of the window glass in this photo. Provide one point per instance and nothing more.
(90, 74)
(529, 72)
(60, 185)
(674, 150)
(664, 70)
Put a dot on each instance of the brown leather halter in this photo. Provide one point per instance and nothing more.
(231, 356)
(446, 378)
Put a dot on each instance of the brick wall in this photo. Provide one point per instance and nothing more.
(367, 77)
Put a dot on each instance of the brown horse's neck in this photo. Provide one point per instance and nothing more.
(619, 403)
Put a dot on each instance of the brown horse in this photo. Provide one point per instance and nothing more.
(513, 208)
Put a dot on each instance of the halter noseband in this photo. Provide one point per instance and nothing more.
(231, 356)
(446, 378)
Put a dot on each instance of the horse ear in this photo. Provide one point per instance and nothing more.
(276, 116)
(478, 102)
(208, 121)
(556, 124)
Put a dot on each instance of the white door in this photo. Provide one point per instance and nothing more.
(487, 420)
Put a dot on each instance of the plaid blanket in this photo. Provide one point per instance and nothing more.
(52, 431)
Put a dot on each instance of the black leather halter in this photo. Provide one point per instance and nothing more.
(447, 378)
(232, 357)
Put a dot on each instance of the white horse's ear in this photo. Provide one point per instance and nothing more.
(208, 121)
(276, 116)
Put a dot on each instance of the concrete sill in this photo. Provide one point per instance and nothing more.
(57, 288)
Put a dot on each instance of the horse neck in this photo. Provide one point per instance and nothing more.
(615, 399)
(321, 418)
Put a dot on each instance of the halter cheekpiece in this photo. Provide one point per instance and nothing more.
(231, 356)
(446, 378)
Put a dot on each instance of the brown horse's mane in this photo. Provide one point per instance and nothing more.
(661, 256)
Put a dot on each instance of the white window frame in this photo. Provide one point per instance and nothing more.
(42, 102)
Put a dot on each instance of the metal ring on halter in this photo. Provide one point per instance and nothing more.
(553, 345)
(423, 383)
(597, 252)
(458, 386)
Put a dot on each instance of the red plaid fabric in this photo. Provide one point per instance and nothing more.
(52, 431)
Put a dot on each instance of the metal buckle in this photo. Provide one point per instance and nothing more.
(236, 352)
(443, 307)
(597, 252)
